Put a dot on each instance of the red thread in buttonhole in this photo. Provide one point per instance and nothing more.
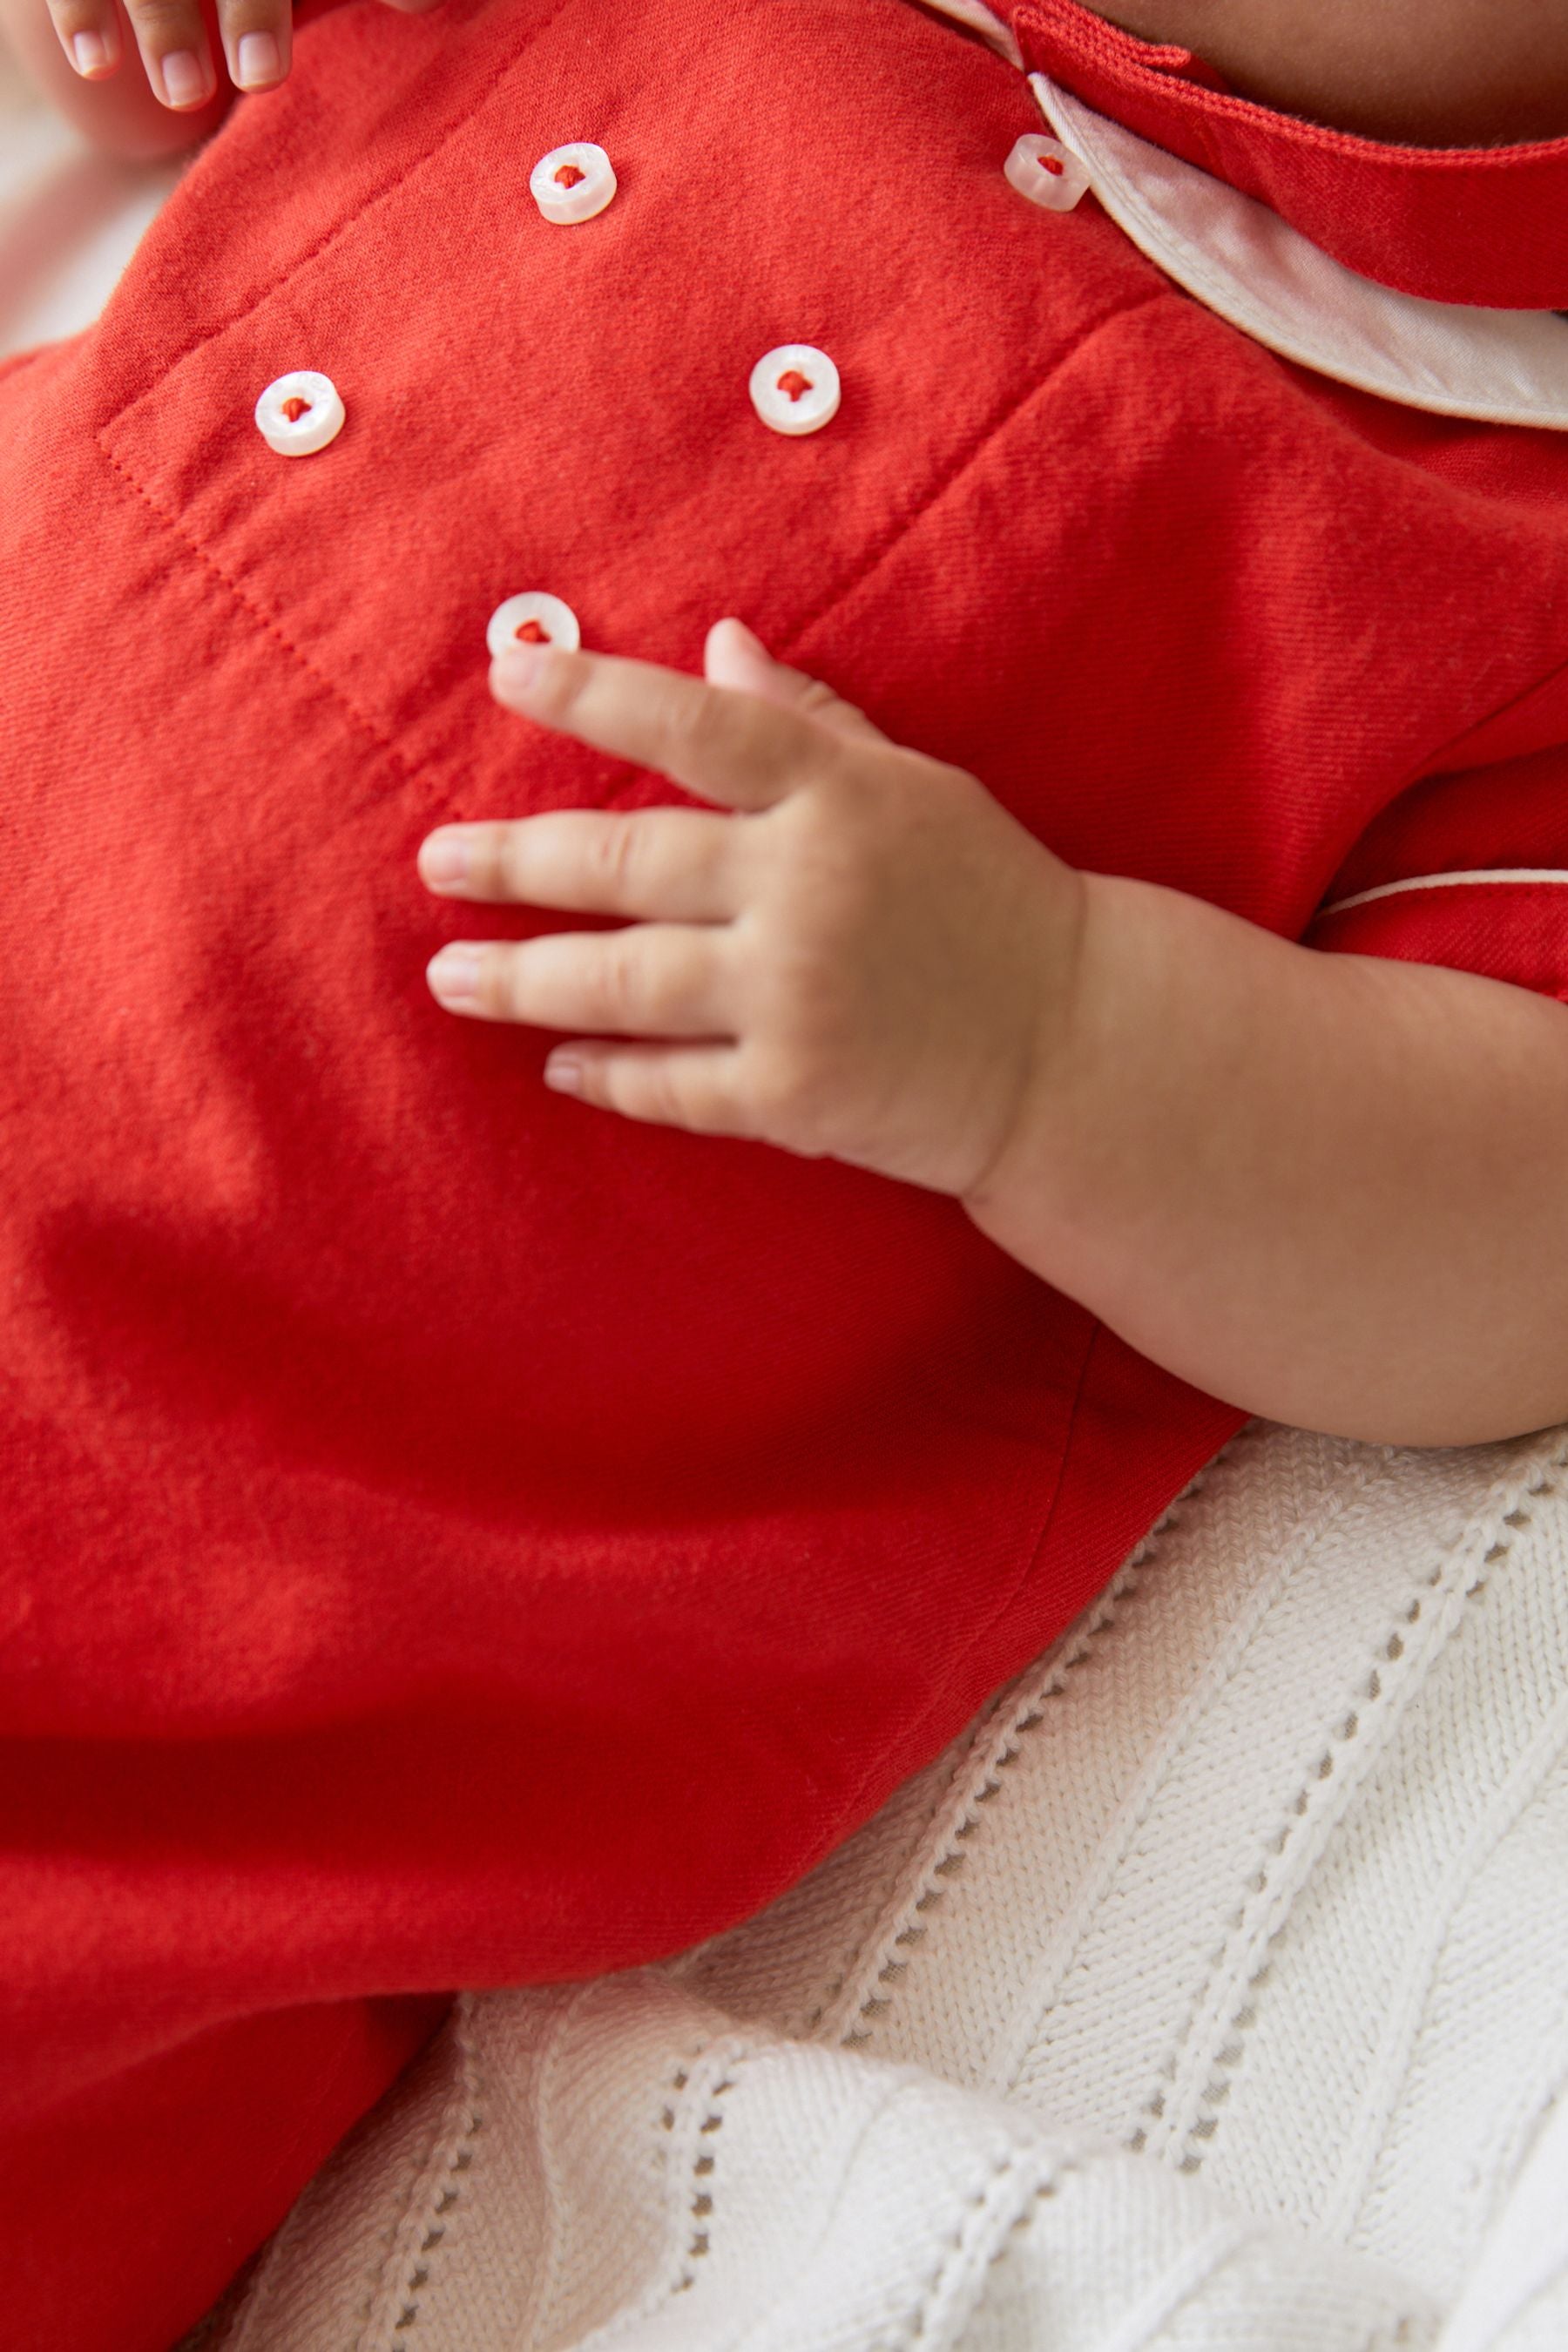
(793, 383)
(568, 176)
(1050, 163)
(530, 633)
(294, 408)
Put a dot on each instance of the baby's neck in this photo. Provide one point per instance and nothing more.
(1436, 73)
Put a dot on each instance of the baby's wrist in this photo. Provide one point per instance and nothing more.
(1021, 1179)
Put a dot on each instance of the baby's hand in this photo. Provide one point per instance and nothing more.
(871, 959)
(173, 43)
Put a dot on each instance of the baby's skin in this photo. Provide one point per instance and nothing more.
(1327, 1188)
(1435, 72)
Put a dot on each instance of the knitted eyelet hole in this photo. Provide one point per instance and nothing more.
(792, 383)
(568, 175)
(530, 633)
(294, 408)
(699, 2132)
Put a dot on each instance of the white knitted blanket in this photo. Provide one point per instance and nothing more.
(1212, 1991)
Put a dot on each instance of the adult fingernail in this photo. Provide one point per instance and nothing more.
(443, 858)
(89, 54)
(185, 78)
(259, 61)
(454, 975)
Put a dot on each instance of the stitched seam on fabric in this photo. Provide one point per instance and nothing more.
(870, 561)
(261, 618)
(1391, 1681)
(396, 2309)
(328, 237)
(1015, 406)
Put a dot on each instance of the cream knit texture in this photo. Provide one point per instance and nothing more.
(1211, 1991)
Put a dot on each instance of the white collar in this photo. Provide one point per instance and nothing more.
(1508, 367)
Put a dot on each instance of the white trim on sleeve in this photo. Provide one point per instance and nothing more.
(1514, 875)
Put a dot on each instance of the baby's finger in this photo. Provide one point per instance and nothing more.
(677, 863)
(90, 35)
(725, 746)
(735, 655)
(691, 1086)
(652, 979)
(257, 41)
(176, 52)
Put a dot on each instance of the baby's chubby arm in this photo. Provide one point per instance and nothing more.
(1327, 1189)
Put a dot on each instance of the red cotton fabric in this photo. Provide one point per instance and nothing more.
(1481, 224)
(450, 1536)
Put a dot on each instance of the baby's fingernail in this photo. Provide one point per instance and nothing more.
(259, 61)
(749, 636)
(454, 975)
(185, 78)
(444, 858)
(565, 1072)
(513, 672)
(89, 54)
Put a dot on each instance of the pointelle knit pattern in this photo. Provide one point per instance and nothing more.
(1211, 1991)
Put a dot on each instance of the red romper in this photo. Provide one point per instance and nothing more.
(448, 1536)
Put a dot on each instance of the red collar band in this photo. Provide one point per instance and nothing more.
(1479, 224)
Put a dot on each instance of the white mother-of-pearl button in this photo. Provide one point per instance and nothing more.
(1047, 172)
(573, 184)
(300, 414)
(795, 388)
(534, 619)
